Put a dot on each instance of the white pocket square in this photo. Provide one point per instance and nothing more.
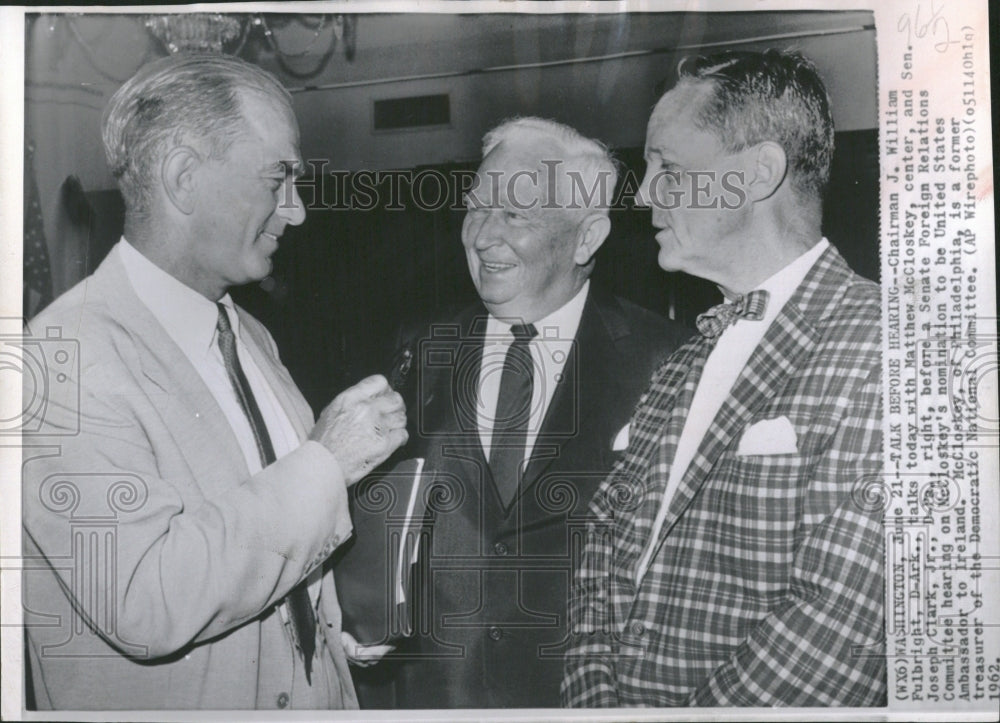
(768, 436)
(621, 440)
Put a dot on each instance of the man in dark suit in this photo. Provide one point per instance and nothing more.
(518, 408)
(736, 558)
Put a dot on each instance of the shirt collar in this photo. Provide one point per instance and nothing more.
(560, 324)
(781, 285)
(187, 316)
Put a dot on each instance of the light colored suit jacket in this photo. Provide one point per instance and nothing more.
(154, 560)
(766, 588)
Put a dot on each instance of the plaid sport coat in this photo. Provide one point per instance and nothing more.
(766, 587)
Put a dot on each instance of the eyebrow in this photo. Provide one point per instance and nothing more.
(666, 152)
(291, 168)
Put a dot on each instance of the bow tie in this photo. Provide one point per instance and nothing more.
(715, 321)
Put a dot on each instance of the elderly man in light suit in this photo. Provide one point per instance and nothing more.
(734, 559)
(181, 516)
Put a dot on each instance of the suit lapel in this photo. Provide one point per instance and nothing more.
(787, 340)
(447, 389)
(590, 359)
(285, 391)
(563, 413)
(189, 410)
(451, 405)
(661, 457)
(653, 441)
(792, 336)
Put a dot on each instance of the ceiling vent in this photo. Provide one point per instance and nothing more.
(415, 112)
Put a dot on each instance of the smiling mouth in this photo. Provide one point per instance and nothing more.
(495, 267)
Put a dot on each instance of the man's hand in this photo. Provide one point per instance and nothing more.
(362, 426)
(363, 655)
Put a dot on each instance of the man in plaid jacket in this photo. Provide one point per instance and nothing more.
(735, 554)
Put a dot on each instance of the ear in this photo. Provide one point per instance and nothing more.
(767, 166)
(177, 172)
(594, 229)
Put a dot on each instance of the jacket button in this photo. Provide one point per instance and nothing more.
(282, 700)
(500, 548)
(495, 633)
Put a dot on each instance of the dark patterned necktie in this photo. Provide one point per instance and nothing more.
(717, 319)
(299, 605)
(510, 423)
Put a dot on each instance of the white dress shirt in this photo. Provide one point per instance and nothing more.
(549, 351)
(727, 359)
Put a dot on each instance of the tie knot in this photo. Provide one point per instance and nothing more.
(225, 338)
(524, 332)
(749, 306)
(222, 325)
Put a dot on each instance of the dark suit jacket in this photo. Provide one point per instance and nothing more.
(492, 592)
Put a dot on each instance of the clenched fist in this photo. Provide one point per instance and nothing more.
(362, 426)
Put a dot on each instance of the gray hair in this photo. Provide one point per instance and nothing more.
(188, 97)
(592, 170)
(771, 96)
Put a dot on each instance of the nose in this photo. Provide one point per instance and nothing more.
(290, 207)
(643, 194)
(481, 228)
